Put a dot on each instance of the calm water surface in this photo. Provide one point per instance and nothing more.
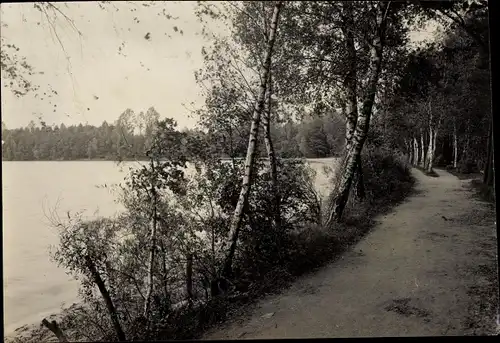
(35, 192)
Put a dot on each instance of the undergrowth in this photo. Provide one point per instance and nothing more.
(270, 263)
(388, 183)
(484, 192)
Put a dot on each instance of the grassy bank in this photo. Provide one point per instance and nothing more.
(483, 191)
(484, 308)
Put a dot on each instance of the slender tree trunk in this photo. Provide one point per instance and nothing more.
(107, 298)
(245, 188)
(152, 248)
(359, 182)
(420, 154)
(411, 152)
(408, 151)
(433, 132)
(350, 85)
(488, 169)
(363, 122)
(231, 150)
(189, 278)
(56, 330)
(272, 155)
(422, 159)
(214, 258)
(416, 152)
(350, 82)
(165, 273)
(455, 145)
(430, 151)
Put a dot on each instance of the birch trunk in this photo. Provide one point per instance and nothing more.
(429, 151)
(152, 248)
(455, 145)
(107, 298)
(422, 158)
(272, 155)
(419, 152)
(350, 84)
(416, 152)
(363, 121)
(432, 149)
(408, 151)
(429, 147)
(433, 132)
(232, 238)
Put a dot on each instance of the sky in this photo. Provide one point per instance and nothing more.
(157, 72)
(93, 80)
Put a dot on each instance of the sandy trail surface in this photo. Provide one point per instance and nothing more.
(421, 271)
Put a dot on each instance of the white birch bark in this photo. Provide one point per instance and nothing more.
(250, 156)
(152, 248)
(341, 193)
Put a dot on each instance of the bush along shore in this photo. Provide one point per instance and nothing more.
(154, 272)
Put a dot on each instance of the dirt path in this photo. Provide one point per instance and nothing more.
(423, 270)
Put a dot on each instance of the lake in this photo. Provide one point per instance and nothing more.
(33, 194)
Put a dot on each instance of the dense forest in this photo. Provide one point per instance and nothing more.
(129, 136)
(292, 79)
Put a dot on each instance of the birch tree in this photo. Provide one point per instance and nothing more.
(271, 154)
(254, 130)
(347, 171)
(471, 17)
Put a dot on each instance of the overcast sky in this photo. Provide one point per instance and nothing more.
(156, 72)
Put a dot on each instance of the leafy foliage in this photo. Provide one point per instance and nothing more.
(451, 75)
(193, 212)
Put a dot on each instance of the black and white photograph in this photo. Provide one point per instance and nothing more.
(226, 170)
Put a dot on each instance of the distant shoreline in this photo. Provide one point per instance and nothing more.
(81, 160)
(145, 160)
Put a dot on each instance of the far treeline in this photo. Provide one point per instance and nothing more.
(294, 78)
(128, 137)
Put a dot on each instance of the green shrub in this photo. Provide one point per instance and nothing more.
(196, 221)
(388, 176)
